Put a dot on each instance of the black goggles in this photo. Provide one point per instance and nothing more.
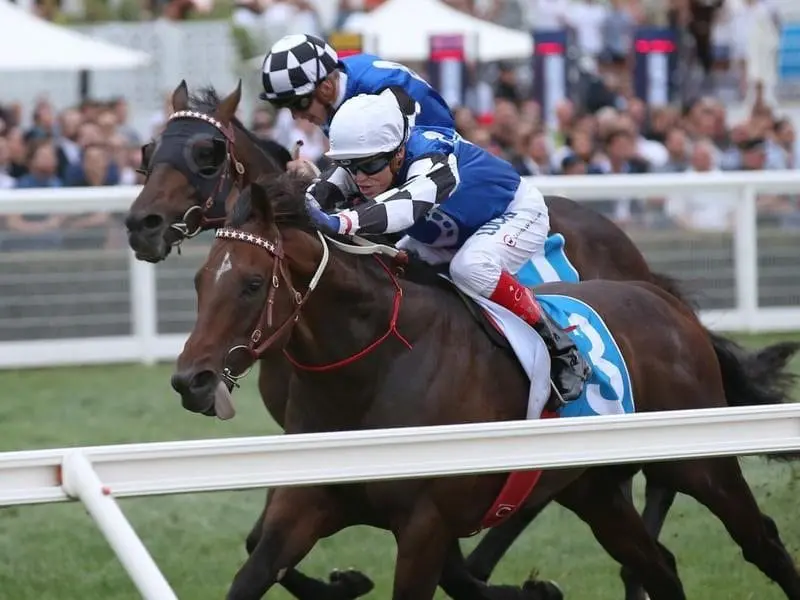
(368, 166)
(298, 103)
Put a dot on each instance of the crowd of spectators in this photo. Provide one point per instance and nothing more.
(608, 131)
(90, 145)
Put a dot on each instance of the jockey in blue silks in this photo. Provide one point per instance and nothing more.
(304, 74)
(454, 202)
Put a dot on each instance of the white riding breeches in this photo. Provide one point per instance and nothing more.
(505, 243)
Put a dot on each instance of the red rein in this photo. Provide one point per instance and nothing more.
(398, 299)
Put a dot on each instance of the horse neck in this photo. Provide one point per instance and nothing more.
(350, 309)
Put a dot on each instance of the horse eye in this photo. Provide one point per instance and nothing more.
(253, 285)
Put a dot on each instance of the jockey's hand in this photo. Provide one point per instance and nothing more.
(303, 167)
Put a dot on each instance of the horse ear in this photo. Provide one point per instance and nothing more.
(180, 97)
(260, 202)
(227, 108)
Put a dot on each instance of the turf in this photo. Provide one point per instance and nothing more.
(56, 552)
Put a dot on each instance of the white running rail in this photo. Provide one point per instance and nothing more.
(96, 475)
(147, 345)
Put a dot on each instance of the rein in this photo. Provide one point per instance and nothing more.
(232, 164)
(257, 345)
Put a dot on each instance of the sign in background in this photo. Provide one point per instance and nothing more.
(554, 69)
(447, 67)
(346, 43)
(655, 65)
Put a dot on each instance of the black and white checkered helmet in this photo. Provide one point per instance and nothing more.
(295, 65)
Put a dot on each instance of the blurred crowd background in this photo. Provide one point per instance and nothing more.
(731, 61)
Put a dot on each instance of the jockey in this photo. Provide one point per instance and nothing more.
(304, 74)
(453, 201)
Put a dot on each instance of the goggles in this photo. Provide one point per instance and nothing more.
(368, 166)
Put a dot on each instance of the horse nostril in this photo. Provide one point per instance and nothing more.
(204, 380)
(193, 383)
(152, 222)
(139, 222)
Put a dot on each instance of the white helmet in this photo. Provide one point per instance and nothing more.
(368, 125)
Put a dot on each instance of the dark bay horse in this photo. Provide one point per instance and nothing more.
(174, 194)
(284, 287)
(203, 156)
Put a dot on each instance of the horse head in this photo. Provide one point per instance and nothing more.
(193, 170)
(260, 271)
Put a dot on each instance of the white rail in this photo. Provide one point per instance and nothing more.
(96, 475)
(238, 463)
(145, 344)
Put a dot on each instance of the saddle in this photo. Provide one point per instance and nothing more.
(407, 265)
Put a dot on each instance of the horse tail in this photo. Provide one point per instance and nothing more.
(758, 378)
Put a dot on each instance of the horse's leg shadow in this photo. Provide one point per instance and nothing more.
(718, 484)
(342, 585)
(658, 501)
(460, 584)
(599, 501)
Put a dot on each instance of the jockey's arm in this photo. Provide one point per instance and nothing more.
(430, 181)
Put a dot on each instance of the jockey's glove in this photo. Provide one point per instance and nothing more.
(324, 222)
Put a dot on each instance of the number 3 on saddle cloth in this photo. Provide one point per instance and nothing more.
(607, 392)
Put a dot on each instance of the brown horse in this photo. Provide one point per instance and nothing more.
(286, 288)
(170, 204)
(198, 165)
(202, 157)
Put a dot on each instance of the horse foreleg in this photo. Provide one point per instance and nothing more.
(294, 519)
(658, 501)
(343, 585)
(423, 541)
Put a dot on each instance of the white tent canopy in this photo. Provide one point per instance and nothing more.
(28, 43)
(400, 29)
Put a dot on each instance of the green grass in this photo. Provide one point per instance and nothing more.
(56, 552)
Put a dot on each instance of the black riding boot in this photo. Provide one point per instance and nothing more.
(569, 370)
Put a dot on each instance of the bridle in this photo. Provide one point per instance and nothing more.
(233, 171)
(258, 344)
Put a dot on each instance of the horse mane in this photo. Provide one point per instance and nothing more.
(207, 99)
(286, 192)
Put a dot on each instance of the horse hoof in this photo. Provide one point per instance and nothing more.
(350, 584)
(543, 590)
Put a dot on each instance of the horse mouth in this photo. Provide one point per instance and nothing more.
(150, 257)
(205, 393)
(149, 248)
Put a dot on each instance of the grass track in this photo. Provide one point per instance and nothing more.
(54, 552)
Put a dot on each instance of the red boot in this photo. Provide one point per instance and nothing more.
(569, 370)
